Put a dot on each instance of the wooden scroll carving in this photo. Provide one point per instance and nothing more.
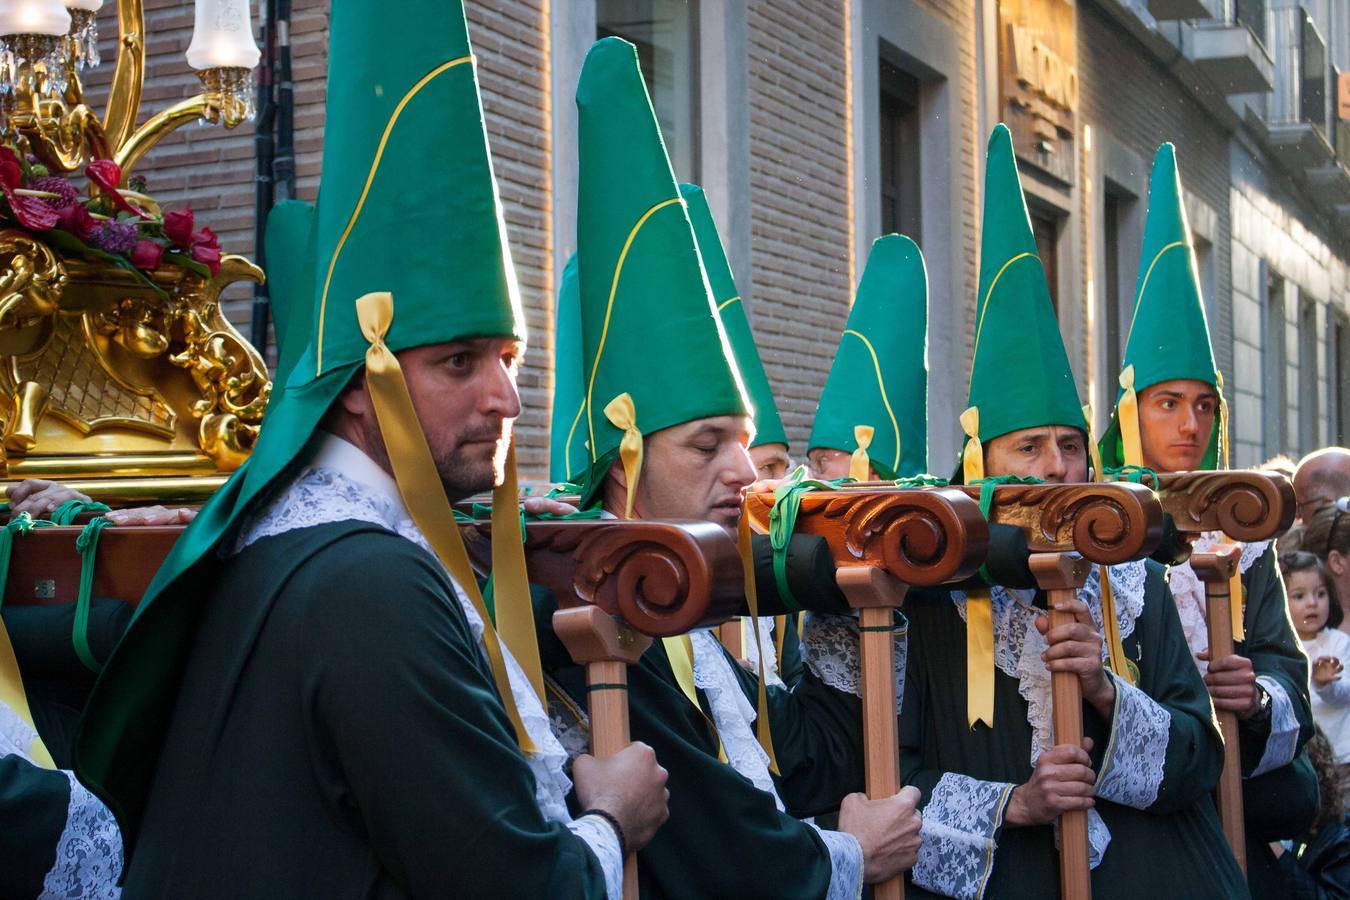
(662, 578)
(1245, 505)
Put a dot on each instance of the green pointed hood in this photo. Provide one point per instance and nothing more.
(568, 456)
(1020, 374)
(650, 330)
(289, 245)
(768, 426)
(879, 379)
(1169, 334)
(409, 207)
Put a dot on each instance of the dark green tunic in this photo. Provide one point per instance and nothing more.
(337, 734)
(1173, 848)
(725, 837)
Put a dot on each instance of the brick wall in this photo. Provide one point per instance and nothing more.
(799, 198)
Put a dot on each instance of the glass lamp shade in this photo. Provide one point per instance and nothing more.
(46, 17)
(222, 37)
(86, 5)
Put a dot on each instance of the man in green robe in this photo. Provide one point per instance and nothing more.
(313, 700)
(976, 729)
(668, 426)
(1171, 417)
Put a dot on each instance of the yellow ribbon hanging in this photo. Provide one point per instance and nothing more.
(623, 415)
(762, 730)
(12, 695)
(1223, 421)
(780, 626)
(420, 485)
(979, 658)
(972, 457)
(859, 465)
(1115, 649)
(1127, 414)
(680, 653)
(510, 581)
(1236, 596)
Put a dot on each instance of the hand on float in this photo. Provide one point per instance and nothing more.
(886, 829)
(1077, 648)
(1325, 670)
(1063, 782)
(1232, 685)
(151, 515)
(546, 506)
(630, 786)
(39, 498)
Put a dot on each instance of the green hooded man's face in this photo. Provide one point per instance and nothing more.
(1176, 419)
(771, 461)
(1054, 453)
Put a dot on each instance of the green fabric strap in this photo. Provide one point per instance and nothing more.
(787, 501)
(67, 512)
(1132, 474)
(87, 544)
(922, 481)
(20, 524)
(987, 486)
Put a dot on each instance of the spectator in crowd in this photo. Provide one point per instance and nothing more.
(1321, 477)
(1317, 865)
(1317, 616)
(1326, 533)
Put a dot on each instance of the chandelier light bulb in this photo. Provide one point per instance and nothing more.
(222, 37)
(44, 17)
(86, 5)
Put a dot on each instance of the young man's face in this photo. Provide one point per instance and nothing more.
(697, 470)
(828, 464)
(771, 461)
(465, 395)
(1054, 453)
(1176, 420)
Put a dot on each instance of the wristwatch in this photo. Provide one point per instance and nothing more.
(1262, 714)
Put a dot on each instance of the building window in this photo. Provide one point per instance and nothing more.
(665, 33)
(900, 201)
(1117, 296)
(1308, 412)
(1338, 393)
(1045, 228)
(1273, 365)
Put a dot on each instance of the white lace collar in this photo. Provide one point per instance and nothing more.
(360, 491)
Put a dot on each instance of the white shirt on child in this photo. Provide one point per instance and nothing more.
(1331, 703)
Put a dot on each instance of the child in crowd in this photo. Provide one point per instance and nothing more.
(1317, 615)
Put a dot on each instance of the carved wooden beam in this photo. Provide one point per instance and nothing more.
(662, 578)
(922, 537)
(44, 566)
(1246, 505)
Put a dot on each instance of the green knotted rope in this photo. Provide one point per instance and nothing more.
(987, 486)
(68, 512)
(87, 545)
(922, 481)
(1133, 475)
(20, 524)
(787, 502)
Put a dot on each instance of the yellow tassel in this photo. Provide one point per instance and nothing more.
(972, 458)
(510, 581)
(622, 414)
(1094, 452)
(1223, 428)
(1236, 596)
(1127, 414)
(979, 658)
(859, 465)
(680, 653)
(420, 485)
(762, 730)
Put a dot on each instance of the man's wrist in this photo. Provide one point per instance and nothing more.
(1259, 712)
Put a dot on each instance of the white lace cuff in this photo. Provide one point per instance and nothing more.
(846, 864)
(1132, 768)
(1283, 741)
(960, 823)
(88, 853)
(830, 647)
(604, 843)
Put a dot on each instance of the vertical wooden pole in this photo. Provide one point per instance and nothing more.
(1060, 575)
(606, 646)
(1216, 570)
(876, 594)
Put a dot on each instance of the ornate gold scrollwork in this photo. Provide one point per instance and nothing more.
(31, 282)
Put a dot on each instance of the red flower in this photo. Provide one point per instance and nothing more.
(76, 220)
(108, 176)
(206, 250)
(178, 226)
(31, 212)
(147, 255)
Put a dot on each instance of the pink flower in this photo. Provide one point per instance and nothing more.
(147, 255)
